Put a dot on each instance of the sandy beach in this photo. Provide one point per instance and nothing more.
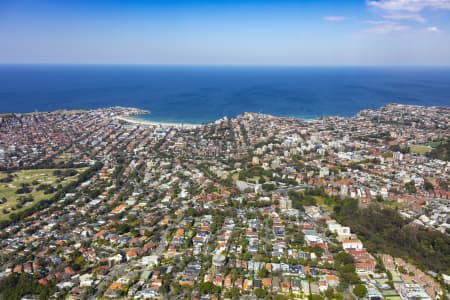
(132, 120)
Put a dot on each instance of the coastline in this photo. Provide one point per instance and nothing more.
(133, 120)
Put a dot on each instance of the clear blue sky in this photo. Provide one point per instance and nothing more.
(279, 32)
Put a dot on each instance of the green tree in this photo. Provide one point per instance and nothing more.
(208, 288)
(232, 293)
(329, 293)
(428, 185)
(411, 187)
(360, 290)
(260, 293)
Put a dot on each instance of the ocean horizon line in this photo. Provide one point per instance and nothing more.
(75, 64)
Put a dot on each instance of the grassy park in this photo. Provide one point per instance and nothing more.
(21, 189)
(420, 149)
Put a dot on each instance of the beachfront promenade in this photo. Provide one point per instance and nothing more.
(132, 120)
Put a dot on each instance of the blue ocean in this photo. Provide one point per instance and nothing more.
(201, 94)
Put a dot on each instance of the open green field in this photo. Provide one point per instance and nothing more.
(254, 179)
(325, 203)
(420, 149)
(39, 184)
(395, 276)
(435, 144)
(394, 204)
(390, 293)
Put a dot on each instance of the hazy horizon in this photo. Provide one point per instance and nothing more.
(221, 65)
(226, 32)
